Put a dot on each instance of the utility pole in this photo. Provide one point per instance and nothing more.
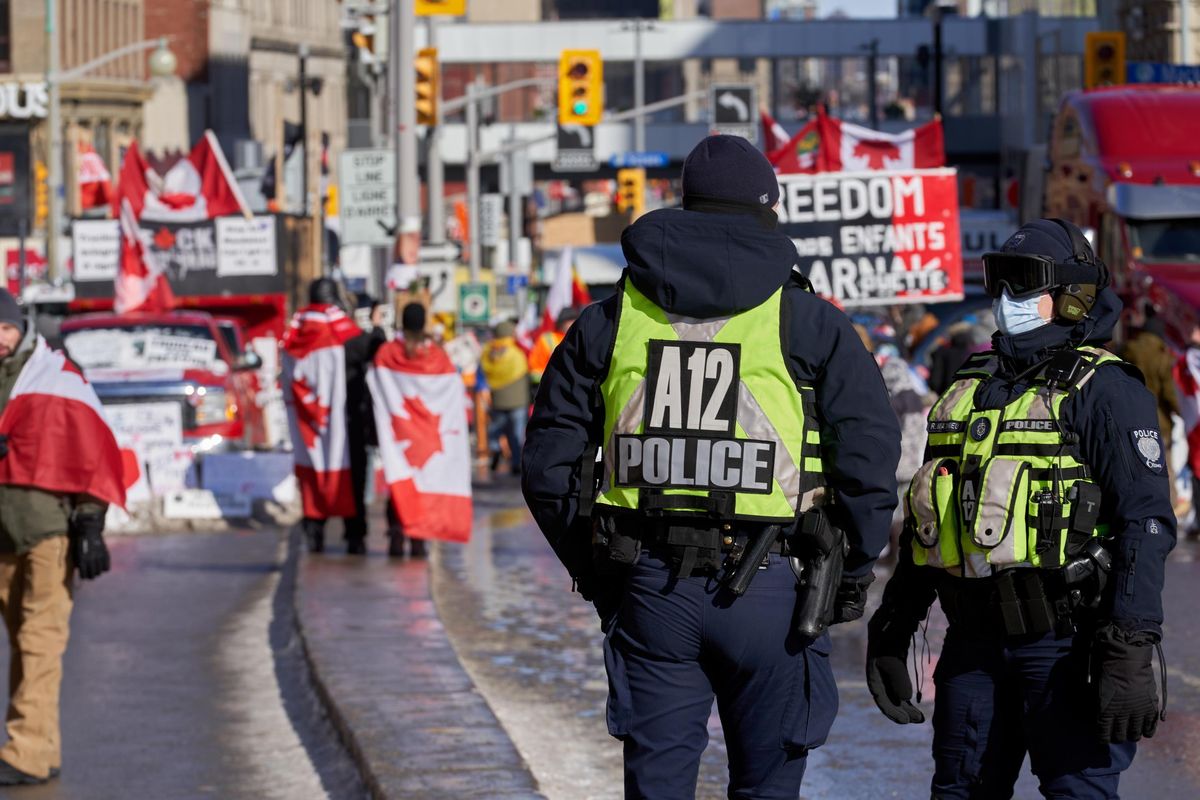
(639, 88)
(303, 53)
(434, 174)
(873, 82)
(475, 261)
(404, 96)
(515, 209)
(54, 171)
(1185, 31)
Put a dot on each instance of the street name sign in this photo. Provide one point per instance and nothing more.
(734, 109)
(1157, 72)
(634, 159)
(367, 196)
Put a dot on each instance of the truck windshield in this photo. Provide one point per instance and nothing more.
(141, 346)
(1166, 240)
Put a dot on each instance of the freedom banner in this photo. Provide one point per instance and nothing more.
(314, 389)
(423, 440)
(876, 238)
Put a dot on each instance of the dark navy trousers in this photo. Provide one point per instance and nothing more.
(998, 699)
(675, 644)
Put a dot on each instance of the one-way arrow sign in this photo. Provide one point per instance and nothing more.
(576, 149)
(732, 106)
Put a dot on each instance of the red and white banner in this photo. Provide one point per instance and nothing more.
(199, 187)
(314, 390)
(95, 182)
(1187, 380)
(846, 147)
(566, 291)
(423, 440)
(55, 432)
(876, 238)
(774, 134)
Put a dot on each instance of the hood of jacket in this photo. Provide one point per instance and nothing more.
(706, 265)
(1026, 349)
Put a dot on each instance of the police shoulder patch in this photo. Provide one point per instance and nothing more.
(1147, 448)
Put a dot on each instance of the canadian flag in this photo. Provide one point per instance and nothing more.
(314, 390)
(95, 182)
(846, 147)
(566, 290)
(198, 187)
(423, 440)
(55, 433)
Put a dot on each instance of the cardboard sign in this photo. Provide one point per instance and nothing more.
(876, 238)
(154, 432)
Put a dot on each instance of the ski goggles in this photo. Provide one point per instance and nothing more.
(1021, 274)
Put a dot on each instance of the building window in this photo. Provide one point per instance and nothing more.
(5, 37)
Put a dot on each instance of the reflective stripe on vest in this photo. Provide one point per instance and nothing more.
(704, 416)
(986, 499)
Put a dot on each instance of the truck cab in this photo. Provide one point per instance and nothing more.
(1124, 162)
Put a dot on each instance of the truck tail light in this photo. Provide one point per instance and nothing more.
(1194, 166)
(1125, 169)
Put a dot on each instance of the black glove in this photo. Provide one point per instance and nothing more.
(1123, 676)
(851, 600)
(887, 671)
(605, 595)
(88, 551)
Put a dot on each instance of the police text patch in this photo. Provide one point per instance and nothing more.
(1147, 448)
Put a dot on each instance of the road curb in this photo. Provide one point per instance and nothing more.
(393, 688)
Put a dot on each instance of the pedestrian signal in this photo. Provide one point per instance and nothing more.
(1103, 59)
(631, 191)
(427, 86)
(580, 87)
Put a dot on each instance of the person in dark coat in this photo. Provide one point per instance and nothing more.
(1042, 521)
(675, 634)
(946, 360)
(360, 427)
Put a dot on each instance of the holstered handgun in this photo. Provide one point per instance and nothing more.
(817, 551)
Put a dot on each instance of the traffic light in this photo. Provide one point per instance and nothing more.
(580, 87)
(427, 86)
(41, 194)
(631, 190)
(1103, 59)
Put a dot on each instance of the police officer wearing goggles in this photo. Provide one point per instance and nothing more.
(1041, 520)
(742, 428)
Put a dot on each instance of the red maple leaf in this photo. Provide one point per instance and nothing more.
(313, 418)
(73, 368)
(164, 239)
(421, 429)
(877, 152)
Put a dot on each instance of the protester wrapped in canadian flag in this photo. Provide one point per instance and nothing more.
(423, 439)
(54, 434)
(314, 390)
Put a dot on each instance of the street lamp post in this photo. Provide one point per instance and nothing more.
(162, 64)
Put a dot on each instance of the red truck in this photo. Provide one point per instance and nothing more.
(185, 357)
(1124, 162)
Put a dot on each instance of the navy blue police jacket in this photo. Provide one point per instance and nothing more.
(1115, 418)
(706, 265)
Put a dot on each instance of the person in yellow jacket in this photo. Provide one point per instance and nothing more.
(506, 370)
(544, 346)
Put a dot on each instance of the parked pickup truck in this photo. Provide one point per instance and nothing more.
(188, 358)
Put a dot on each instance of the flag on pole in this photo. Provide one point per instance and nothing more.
(55, 435)
(423, 440)
(314, 390)
(198, 187)
(774, 135)
(95, 181)
(846, 147)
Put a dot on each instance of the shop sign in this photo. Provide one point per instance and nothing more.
(24, 100)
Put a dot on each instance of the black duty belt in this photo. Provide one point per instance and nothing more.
(691, 550)
(1016, 602)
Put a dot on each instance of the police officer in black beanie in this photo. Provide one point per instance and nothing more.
(740, 420)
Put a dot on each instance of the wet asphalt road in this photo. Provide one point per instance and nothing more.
(534, 651)
(184, 679)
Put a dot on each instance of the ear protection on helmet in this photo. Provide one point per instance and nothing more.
(1073, 301)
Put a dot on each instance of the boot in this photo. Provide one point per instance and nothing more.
(356, 537)
(417, 548)
(314, 534)
(11, 776)
(396, 542)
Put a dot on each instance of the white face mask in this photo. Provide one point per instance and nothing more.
(1017, 316)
